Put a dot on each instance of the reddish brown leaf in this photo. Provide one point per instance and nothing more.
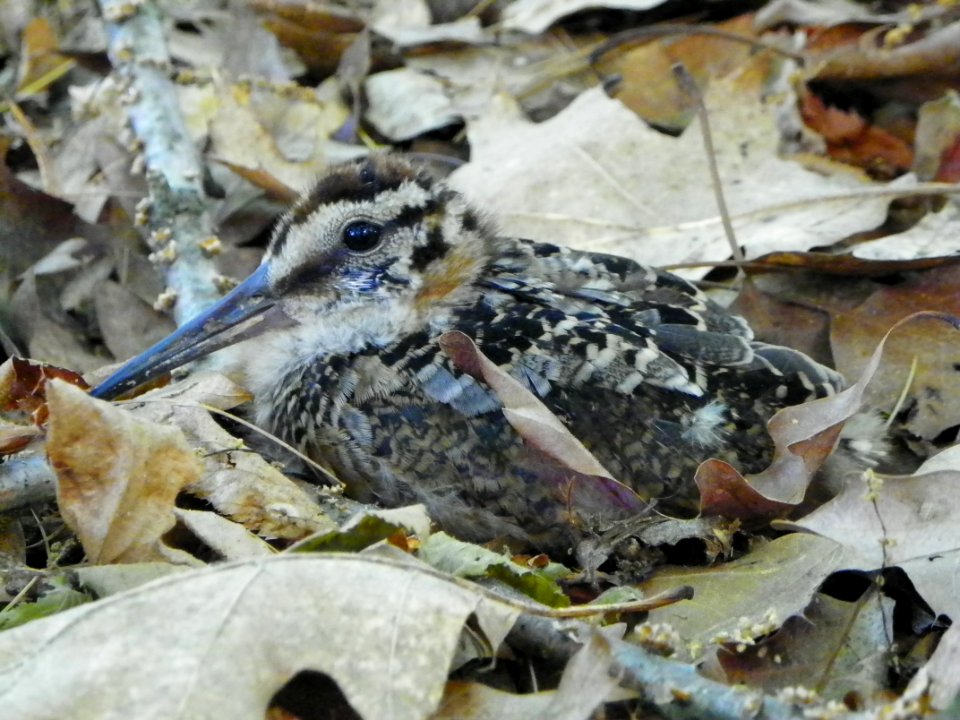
(724, 491)
(852, 140)
(24, 384)
(803, 436)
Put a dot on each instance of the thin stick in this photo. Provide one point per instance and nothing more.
(658, 31)
(689, 86)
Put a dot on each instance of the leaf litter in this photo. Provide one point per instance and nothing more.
(808, 160)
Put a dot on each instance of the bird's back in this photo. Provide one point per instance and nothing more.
(648, 373)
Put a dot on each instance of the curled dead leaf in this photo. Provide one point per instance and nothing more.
(803, 435)
(117, 476)
(578, 480)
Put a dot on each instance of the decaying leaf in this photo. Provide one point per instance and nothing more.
(283, 134)
(803, 435)
(749, 597)
(195, 645)
(833, 647)
(574, 180)
(932, 395)
(907, 522)
(117, 476)
(238, 482)
(649, 86)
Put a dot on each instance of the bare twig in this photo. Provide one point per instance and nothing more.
(653, 32)
(689, 87)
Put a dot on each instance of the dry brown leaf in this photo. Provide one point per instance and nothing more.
(749, 597)
(117, 476)
(39, 221)
(318, 33)
(14, 438)
(785, 312)
(851, 139)
(803, 436)
(236, 481)
(128, 324)
(649, 86)
(873, 57)
(42, 63)
(934, 392)
(833, 646)
(23, 400)
(283, 134)
(51, 334)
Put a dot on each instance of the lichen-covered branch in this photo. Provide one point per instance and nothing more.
(178, 211)
(26, 480)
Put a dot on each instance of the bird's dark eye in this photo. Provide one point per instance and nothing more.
(361, 235)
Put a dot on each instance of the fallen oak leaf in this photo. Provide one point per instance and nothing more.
(903, 521)
(803, 436)
(384, 630)
(834, 646)
(748, 597)
(725, 492)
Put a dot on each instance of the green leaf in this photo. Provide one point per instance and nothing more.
(466, 560)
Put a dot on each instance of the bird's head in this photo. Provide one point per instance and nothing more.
(370, 235)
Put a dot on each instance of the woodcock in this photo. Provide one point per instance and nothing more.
(378, 260)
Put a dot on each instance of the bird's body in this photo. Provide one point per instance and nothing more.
(377, 262)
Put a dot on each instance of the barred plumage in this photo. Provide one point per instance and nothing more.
(377, 261)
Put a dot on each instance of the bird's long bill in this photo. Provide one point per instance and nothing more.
(205, 333)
